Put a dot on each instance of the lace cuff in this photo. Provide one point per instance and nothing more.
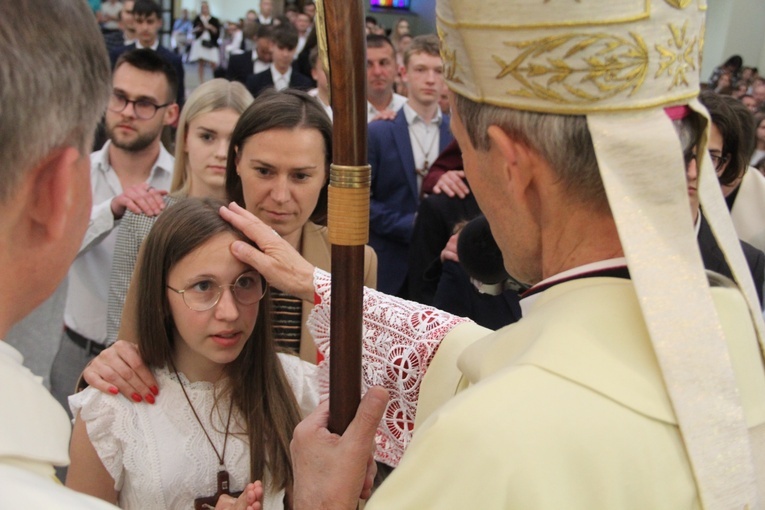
(400, 339)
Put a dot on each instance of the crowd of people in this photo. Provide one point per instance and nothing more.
(744, 83)
(542, 324)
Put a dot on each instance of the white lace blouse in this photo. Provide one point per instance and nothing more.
(158, 454)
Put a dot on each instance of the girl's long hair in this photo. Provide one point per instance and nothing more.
(257, 383)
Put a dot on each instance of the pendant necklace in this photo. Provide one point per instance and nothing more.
(425, 166)
(209, 502)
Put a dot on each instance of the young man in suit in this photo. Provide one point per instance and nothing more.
(126, 34)
(400, 152)
(281, 74)
(252, 61)
(147, 17)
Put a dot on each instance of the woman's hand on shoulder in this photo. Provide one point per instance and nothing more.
(120, 369)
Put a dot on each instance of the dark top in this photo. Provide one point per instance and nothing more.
(714, 260)
(199, 28)
(457, 295)
(434, 225)
(257, 83)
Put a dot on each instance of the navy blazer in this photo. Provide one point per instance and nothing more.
(394, 196)
(257, 83)
(169, 57)
(714, 260)
(240, 67)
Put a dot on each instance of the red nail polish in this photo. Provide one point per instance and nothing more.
(154, 390)
(113, 390)
(149, 398)
(136, 397)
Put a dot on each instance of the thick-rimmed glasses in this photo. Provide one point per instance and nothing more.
(143, 108)
(203, 295)
(718, 160)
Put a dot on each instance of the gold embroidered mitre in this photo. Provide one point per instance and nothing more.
(620, 63)
(573, 56)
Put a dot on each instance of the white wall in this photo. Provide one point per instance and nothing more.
(224, 10)
(734, 27)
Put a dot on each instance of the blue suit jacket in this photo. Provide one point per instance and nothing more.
(395, 197)
(168, 56)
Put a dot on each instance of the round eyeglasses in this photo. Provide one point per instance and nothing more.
(203, 295)
(143, 108)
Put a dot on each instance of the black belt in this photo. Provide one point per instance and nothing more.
(91, 347)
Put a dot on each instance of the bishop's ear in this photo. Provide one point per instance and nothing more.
(513, 154)
(57, 189)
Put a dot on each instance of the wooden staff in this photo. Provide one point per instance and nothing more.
(350, 178)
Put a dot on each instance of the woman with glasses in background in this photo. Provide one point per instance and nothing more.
(731, 144)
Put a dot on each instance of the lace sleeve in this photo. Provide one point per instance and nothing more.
(102, 415)
(400, 339)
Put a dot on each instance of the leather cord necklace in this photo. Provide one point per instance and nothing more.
(209, 502)
(425, 166)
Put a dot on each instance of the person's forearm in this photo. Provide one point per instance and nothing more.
(399, 341)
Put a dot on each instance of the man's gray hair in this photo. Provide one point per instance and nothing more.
(54, 82)
(563, 141)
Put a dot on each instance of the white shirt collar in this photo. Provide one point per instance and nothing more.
(163, 164)
(412, 116)
(154, 46)
(275, 76)
(527, 302)
(397, 101)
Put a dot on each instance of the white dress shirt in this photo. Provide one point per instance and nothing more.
(396, 102)
(235, 47)
(281, 81)
(300, 45)
(88, 291)
(327, 108)
(424, 138)
(258, 66)
(140, 46)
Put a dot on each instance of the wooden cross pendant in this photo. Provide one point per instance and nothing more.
(209, 502)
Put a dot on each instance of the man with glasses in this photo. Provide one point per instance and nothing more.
(132, 171)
